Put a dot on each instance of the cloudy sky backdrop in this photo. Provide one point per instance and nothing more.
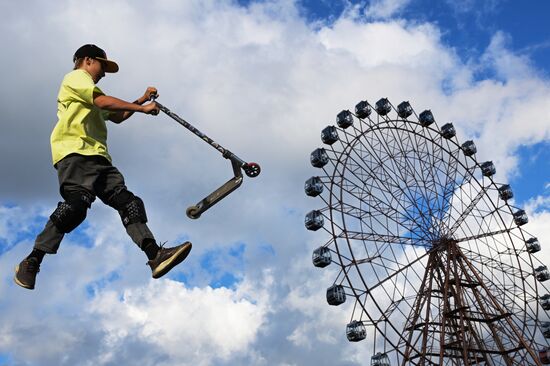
(262, 78)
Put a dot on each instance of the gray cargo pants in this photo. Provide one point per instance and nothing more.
(94, 176)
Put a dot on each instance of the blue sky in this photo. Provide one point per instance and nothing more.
(468, 27)
(534, 175)
(5, 360)
(262, 78)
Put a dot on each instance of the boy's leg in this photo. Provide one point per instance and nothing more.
(143, 237)
(76, 176)
(46, 242)
(111, 189)
(67, 216)
(49, 239)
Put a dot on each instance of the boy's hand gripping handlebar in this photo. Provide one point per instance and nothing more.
(251, 169)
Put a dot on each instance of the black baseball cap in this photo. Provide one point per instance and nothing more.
(91, 50)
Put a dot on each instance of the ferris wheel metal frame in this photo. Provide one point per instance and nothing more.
(429, 246)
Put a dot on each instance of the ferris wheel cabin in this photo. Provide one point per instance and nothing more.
(321, 257)
(532, 245)
(542, 274)
(426, 118)
(520, 217)
(505, 192)
(314, 220)
(344, 119)
(545, 329)
(329, 135)
(404, 109)
(383, 106)
(448, 130)
(380, 359)
(318, 158)
(544, 301)
(469, 148)
(313, 186)
(362, 109)
(356, 331)
(336, 295)
(488, 169)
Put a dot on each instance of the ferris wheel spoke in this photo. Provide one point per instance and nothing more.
(399, 172)
(448, 189)
(429, 175)
(350, 210)
(377, 205)
(467, 210)
(385, 239)
(441, 202)
(495, 264)
(439, 193)
(483, 235)
(410, 264)
(381, 189)
(390, 182)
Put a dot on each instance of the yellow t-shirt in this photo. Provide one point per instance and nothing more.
(81, 125)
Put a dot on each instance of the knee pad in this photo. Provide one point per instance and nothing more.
(70, 213)
(130, 208)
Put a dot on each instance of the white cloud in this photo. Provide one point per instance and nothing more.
(14, 221)
(388, 43)
(90, 320)
(215, 323)
(507, 64)
(383, 9)
(467, 6)
(262, 82)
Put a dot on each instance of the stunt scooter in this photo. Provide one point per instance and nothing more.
(251, 169)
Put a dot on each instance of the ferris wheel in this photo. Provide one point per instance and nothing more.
(431, 255)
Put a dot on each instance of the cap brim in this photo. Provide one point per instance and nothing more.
(110, 66)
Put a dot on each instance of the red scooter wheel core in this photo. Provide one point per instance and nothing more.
(252, 169)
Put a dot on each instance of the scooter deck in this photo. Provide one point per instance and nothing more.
(194, 212)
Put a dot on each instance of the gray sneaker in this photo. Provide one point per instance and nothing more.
(168, 258)
(25, 273)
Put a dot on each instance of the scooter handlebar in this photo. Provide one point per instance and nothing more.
(250, 169)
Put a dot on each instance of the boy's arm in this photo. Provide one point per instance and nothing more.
(125, 109)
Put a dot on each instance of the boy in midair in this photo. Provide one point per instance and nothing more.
(84, 169)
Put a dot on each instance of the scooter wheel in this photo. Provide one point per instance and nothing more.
(252, 169)
(193, 212)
